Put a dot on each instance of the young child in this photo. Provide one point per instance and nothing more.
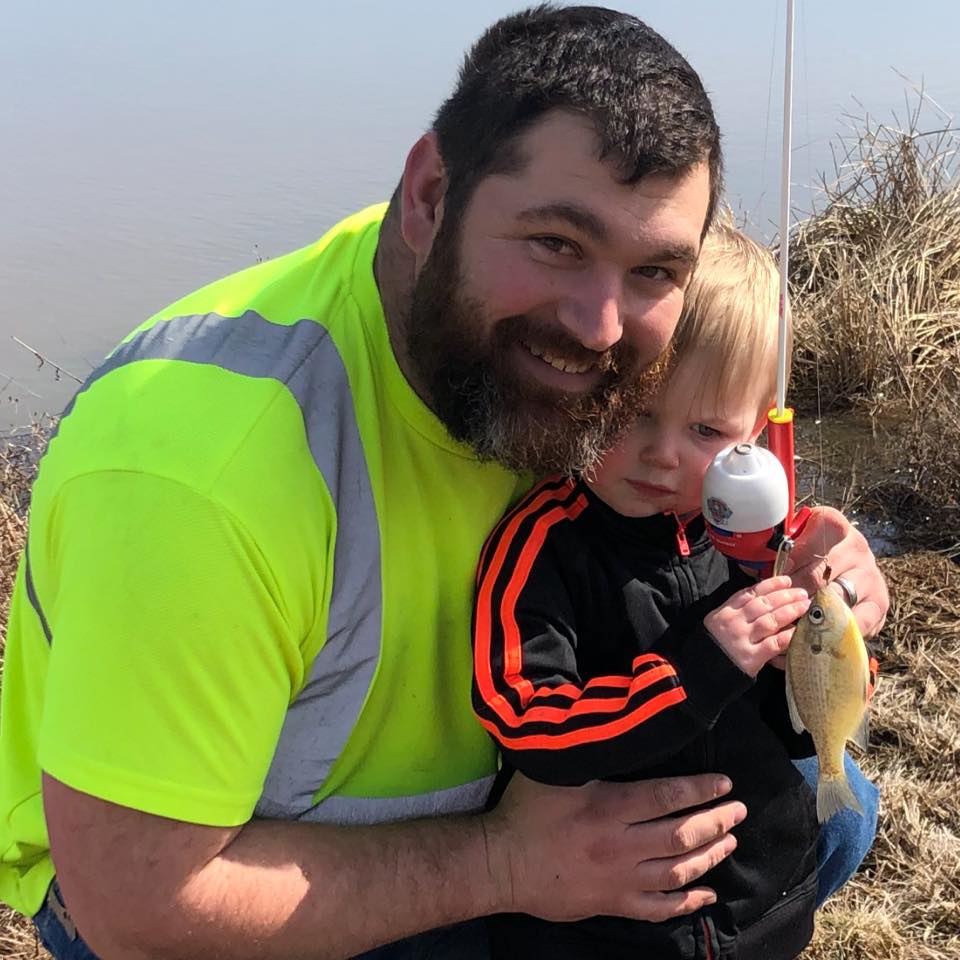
(612, 641)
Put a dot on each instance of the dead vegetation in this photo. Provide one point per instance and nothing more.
(875, 286)
(875, 271)
(18, 457)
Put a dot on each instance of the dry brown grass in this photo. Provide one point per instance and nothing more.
(875, 286)
(18, 938)
(875, 271)
(18, 457)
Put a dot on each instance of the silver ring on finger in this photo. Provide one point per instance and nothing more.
(849, 590)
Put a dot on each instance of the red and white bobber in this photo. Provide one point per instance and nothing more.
(746, 501)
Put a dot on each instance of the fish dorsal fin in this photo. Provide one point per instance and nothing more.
(795, 720)
(862, 734)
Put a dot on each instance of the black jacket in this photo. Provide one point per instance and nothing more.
(592, 662)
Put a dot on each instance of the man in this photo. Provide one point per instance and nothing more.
(236, 695)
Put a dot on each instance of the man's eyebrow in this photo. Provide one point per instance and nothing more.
(589, 223)
(681, 252)
(577, 216)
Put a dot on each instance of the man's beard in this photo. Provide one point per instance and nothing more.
(485, 403)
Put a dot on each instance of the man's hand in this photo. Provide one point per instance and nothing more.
(622, 849)
(829, 534)
(756, 623)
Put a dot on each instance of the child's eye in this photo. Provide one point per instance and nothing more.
(704, 431)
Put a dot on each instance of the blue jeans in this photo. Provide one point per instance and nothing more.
(57, 933)
(846, 837)
(843, 843)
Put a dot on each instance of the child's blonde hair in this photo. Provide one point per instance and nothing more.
(730, 313)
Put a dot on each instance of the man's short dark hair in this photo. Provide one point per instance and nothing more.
(649, 108)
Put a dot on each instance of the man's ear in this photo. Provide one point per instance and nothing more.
(422, 192)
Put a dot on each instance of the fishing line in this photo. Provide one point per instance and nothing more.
(753, 519)
(807, 147)
(820, 477)
(821, 468)
(822, 471)
(766, 125)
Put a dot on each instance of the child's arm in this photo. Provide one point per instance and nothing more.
(552, 724)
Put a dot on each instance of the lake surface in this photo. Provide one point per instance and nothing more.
(149, 148)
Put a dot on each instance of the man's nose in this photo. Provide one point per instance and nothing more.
(592, 314)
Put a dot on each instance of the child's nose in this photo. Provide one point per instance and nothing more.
(660, 451)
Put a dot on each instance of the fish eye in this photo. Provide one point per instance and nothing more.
(815, 614)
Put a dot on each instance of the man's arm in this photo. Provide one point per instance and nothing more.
(140, 886)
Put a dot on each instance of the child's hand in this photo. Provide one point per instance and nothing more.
(755, 625)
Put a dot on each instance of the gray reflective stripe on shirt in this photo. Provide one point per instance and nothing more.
(467, 798)
(305, 359)
(32, 593)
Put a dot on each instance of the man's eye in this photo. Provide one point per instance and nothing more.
(555, 244)
(653, 273)
(704, 431)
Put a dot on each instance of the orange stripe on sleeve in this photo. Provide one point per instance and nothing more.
(590, 734)
(583, 703)
(513, 653)
(484, 626)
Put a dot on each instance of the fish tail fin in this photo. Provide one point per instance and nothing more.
(833, 795)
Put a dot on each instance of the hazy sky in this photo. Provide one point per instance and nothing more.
(149, 147)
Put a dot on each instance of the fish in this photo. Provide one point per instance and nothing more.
(827, 683)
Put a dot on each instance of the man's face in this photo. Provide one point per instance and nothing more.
(541, 314)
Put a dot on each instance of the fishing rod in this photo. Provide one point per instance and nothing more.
(749, 494)
(780, 419)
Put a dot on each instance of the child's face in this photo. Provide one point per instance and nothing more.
(659, 465)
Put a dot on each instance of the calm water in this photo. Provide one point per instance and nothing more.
(148, 148)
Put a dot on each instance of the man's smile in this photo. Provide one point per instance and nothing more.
(554, 371)
(557, 362)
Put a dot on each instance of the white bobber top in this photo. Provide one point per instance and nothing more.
(745, 489)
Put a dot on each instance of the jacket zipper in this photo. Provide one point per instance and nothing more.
(683, 548)
(686, 584)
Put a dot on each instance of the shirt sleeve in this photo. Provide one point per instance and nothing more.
(172, 661)
(551, 723)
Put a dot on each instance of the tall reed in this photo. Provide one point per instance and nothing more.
(875, 270)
